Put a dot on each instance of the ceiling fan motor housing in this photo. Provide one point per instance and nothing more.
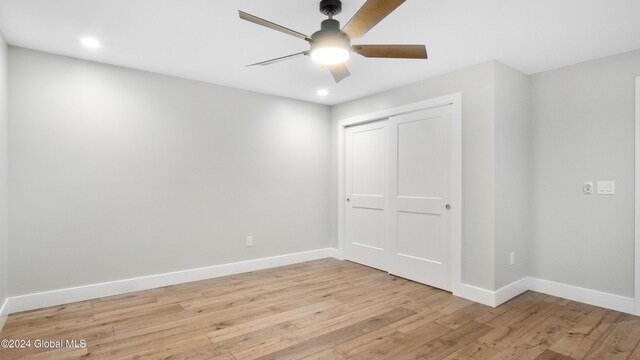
(330, 35)
(330, 7)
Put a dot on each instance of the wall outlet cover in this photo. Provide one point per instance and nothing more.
(587, 187)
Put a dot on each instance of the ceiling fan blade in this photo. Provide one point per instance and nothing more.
(266, 23)
(370, 14)
(392, 51)
(339, 72)
(282, 58)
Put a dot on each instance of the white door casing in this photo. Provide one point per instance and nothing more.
(637, 198)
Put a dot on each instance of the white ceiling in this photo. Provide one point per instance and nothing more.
(205, 40)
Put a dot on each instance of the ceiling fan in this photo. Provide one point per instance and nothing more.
(332, 47)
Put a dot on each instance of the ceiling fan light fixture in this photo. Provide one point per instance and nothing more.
(330, 46)
(330, 55)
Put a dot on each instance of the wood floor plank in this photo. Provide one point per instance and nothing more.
(316, 344)
(463, 316)
(349, 318)
(527, 299)
(552, 355)
(535, 342)
(57, 354)
(619, 341)
(448, 343)
(87, 331)
(16, 322)
(207, 352)
(323, 310)
(370, 340)
(398, 344)
(492, 314)
(635, 354)
(232, 331)
(581, 338)
(325, 355)
(476, 350)
(508, 328)
(418, 320)
(226, 315)
(256, 337)
(168, 349)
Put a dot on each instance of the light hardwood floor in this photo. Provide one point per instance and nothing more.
(325, 309)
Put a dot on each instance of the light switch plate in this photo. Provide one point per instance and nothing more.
(606, 187)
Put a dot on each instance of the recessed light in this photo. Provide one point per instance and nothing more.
(91, 43)
(323, 92)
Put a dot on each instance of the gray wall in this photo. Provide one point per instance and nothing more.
(583, 130)
(165, 174)
(4, 166)
(513, 162)
(117, 173)
(477, 86)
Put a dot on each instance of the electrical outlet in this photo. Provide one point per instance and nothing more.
(249, 241)
(587, 188)
(512, 258)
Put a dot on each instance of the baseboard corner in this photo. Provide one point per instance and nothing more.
(474, 293)
(512, 290)
(336, 253)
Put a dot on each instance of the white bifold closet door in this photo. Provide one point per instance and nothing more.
(398, 186)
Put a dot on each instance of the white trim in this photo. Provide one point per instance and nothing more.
(87, 292)
(570, 292)
(512, 290)
(587, 296)
(335, 253)
(483, 296)
(456, 191)
(637, 200)
(470, 292)
(493, 298)
(3, 313)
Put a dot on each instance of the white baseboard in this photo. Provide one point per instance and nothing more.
(336, 253)
(587, 296)
(483, 296)
(3, 313)
(87, 292)
(473, 293)
(512, 290)
(575, 293)
(489, 297)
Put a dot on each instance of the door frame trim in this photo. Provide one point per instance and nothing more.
(455, 100)
(637, 198)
